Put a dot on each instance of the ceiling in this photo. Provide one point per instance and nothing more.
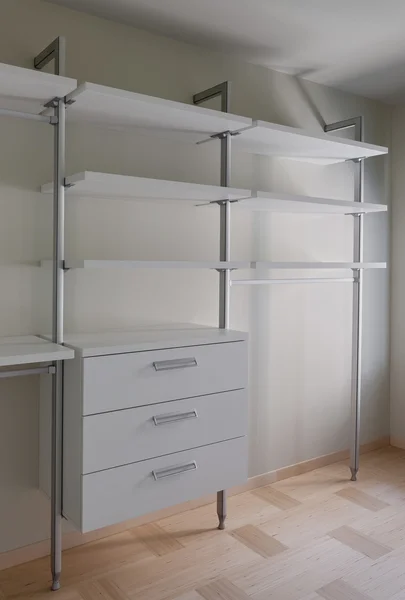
(355, 45)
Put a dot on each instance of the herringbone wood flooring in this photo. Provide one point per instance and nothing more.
(311, 537)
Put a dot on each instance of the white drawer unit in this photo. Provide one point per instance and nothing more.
(148, 425)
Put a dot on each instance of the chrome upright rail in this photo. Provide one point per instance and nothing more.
(56, 52)
(223, 91)
(356, 388)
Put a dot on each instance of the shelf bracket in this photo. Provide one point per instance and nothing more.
(219, 136)
(345, 124)
(52, 103)
(55, 51)
(222, 90)
(226, 269)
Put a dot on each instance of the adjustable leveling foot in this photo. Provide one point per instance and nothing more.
(354, 473)
(221, 509)
(56, 583)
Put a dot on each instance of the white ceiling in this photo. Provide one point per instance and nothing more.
(356, 45)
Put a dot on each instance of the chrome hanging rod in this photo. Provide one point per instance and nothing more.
(5, 112)
(26, 372)
(299, 280)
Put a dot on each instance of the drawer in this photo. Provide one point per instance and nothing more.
(142, 378)
(127, 436)
(127, 492)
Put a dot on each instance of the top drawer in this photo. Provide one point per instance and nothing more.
(137, 379)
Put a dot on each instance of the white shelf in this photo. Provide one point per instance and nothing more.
(149, 338)
(119, 108)
(30, 90)
(290, 142)
(4, 264)
(316, 265)
(153, 264)
(291, 203)
(104, 185)
(29, 349)
(189, 264)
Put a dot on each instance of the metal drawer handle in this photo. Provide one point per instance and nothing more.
(191, 466)
(173, 417)
(177, 363)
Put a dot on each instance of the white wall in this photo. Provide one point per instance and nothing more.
(300, 335)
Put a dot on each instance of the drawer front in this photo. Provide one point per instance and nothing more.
(142, 378)
(127, 492)
(126, 436)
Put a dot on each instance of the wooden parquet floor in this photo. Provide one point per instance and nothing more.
(311, 537)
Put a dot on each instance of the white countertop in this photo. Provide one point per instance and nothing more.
(149, 338)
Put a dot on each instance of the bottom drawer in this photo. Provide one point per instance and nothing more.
(127, 492)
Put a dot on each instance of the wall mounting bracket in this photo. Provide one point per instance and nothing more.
(55, 51)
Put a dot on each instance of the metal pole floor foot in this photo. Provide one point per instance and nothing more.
(56, 583)
(221, 509)
(354, 473)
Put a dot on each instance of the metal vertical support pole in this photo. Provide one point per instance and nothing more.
(358, 124)
(225, 235)
(57, 337)
(357, 312)
(223, 90)
(224, 254)
(224, 276)
(56, 52)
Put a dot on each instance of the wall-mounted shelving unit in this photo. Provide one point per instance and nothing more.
(24, 94)
(36, 96)
(50, 98)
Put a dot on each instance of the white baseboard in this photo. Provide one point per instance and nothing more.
(397, 442)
